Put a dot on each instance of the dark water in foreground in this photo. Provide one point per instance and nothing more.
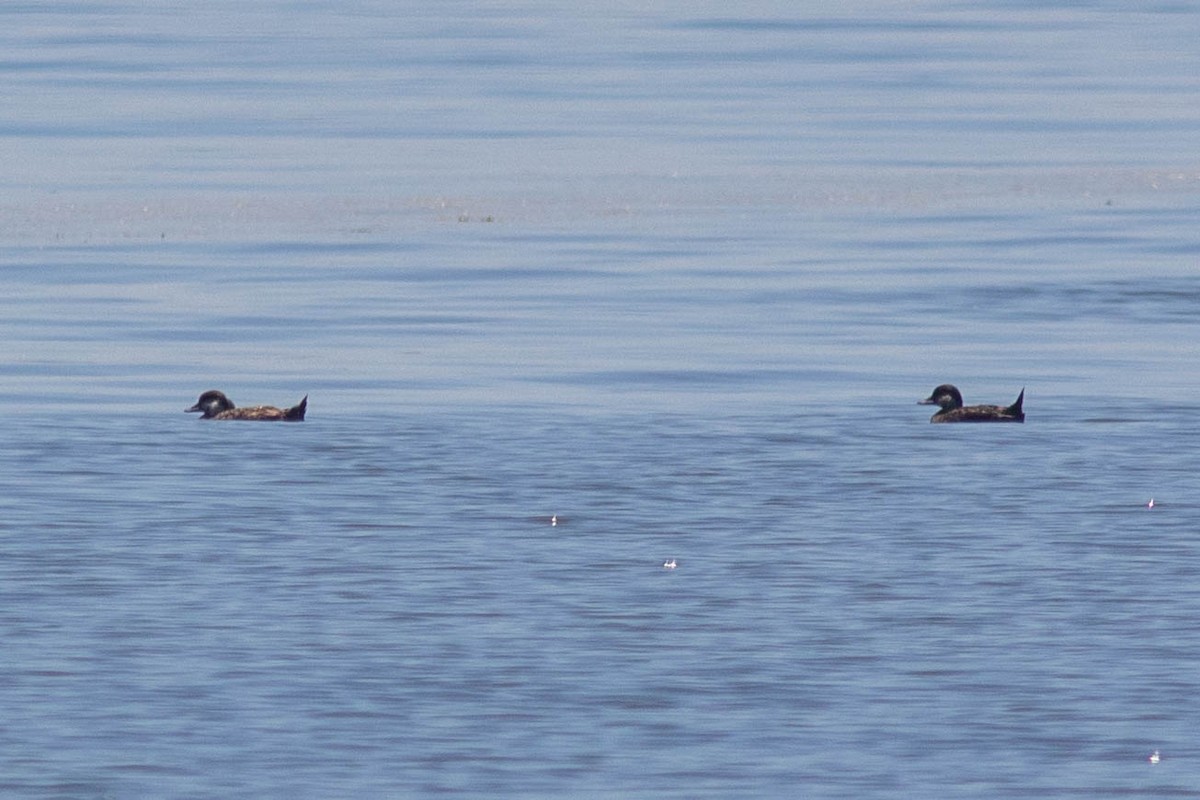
(675, 276)
(878, 607)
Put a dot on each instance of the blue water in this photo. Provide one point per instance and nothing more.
(674, 277)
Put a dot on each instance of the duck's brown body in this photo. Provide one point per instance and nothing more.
(953, 410)
(215, 405)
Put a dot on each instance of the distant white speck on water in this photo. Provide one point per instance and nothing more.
(1154, 757)
(554, 519)
(1151, 503)
(669, 564)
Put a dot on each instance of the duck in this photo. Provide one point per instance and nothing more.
(952, 409)
(215, 405)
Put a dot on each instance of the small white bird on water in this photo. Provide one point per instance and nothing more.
(1154, 757)
(669, 564)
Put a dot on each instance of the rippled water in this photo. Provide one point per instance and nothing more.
(672, 277)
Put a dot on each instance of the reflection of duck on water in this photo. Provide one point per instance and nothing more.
(953, 410)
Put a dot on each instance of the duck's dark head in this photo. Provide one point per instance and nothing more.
(946, 396)
(211, 403)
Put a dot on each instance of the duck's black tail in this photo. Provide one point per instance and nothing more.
(1015, 409)
(296, 412)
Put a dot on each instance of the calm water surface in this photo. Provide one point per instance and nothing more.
(673, 276)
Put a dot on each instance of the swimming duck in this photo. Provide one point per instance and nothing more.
(215, 405)
(953, 410)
